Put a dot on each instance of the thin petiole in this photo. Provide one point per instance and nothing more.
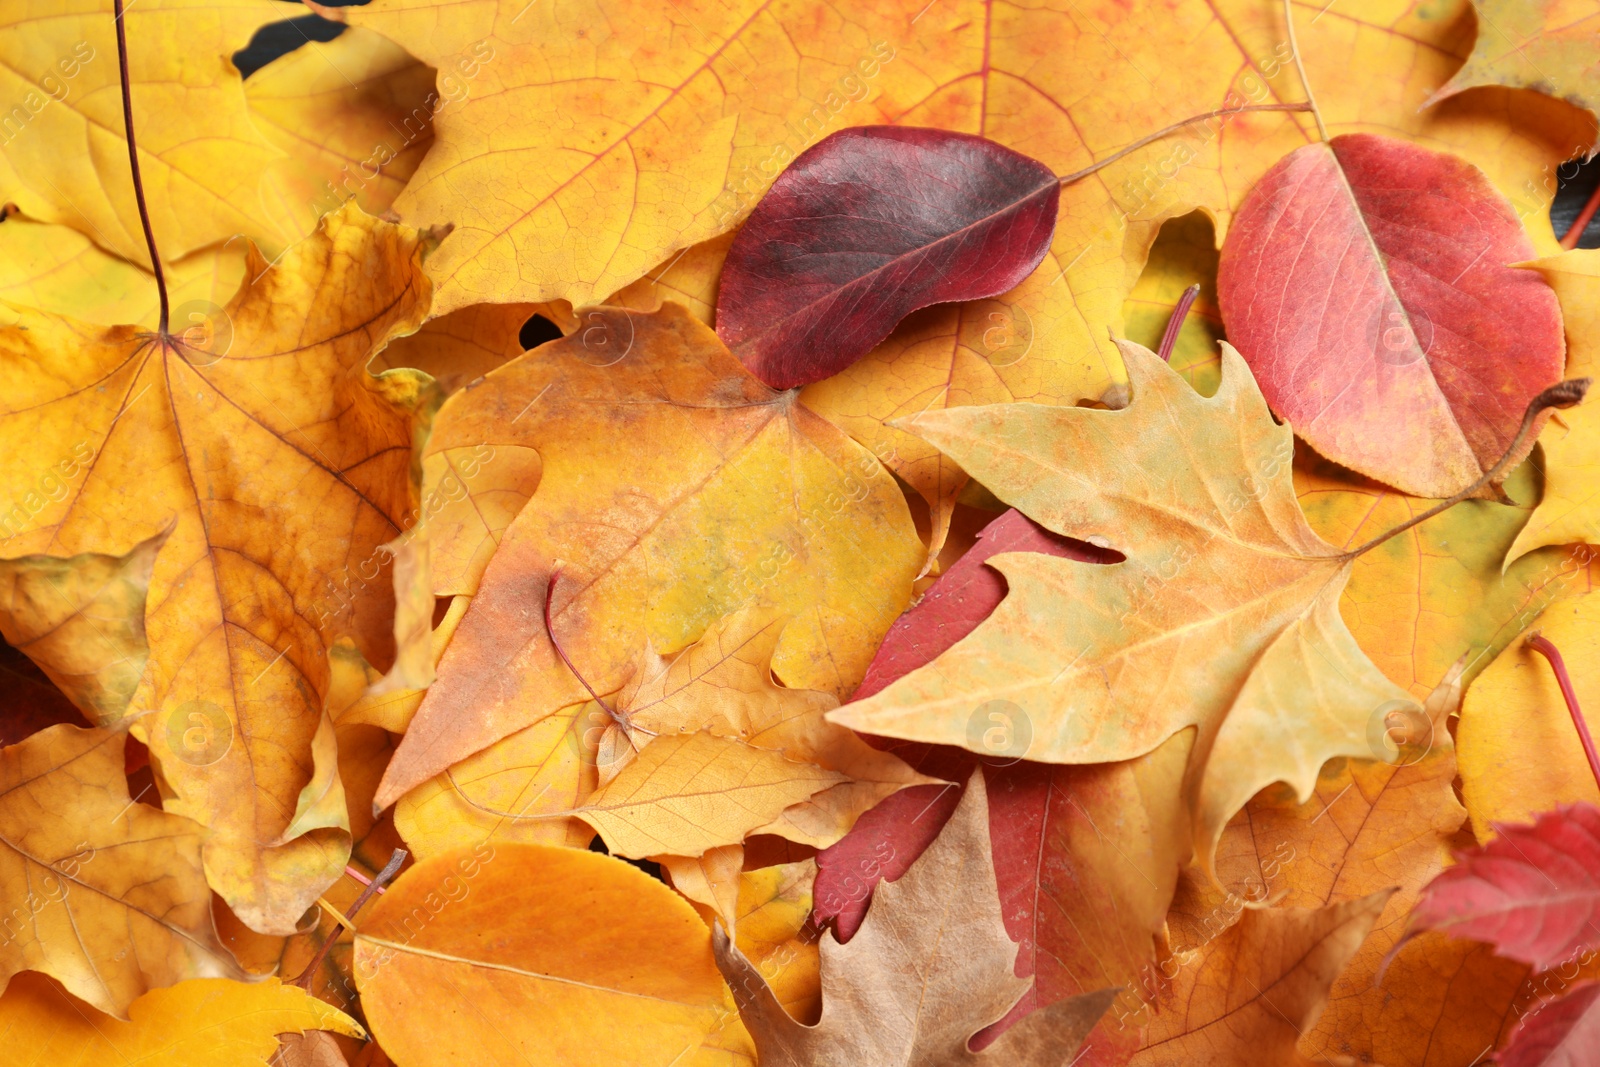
(133, 164)
(1546, 648)
(373, 885)
(1174, 128)
(1175, 323)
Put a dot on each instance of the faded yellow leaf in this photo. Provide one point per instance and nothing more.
(57, 269)
(353, 117)
(1224, 616)
(66, 153)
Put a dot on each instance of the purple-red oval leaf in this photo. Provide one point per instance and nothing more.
(867, 226)
(1366, 282)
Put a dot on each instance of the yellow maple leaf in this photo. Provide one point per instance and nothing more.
(251, 453)
(66, 152)
(1223, 617)
(1520, 754)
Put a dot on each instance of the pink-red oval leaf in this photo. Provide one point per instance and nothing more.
(867, 226)
(1533, 892)
(1366, 282)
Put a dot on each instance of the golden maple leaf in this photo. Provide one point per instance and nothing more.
(276, 465)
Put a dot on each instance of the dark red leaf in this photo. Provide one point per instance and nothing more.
(1366, 283)
(1533, 892)
(1564, 1032)
(867, 226)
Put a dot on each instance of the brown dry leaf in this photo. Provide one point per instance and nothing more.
(1370, 825)
(739, 495)
(314, 1048)
(930, 966)
(1224, 616)
(479, 955)
(199, 1023)
(103, 894)
(278, 466)
(1245, 998)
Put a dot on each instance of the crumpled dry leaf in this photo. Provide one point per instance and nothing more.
(1224, 615)
(478, 955)
(740, 495)
(1245, 998)
(930, 966)
(254, 452)
(205, 1022)
(104, 894)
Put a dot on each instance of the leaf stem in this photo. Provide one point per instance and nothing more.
(1546, 648)
(133, 163)
(1175, 323)
(550, 628)
(375, 885)
(1300, 68)
(1174, 128)
(1574, 234)
(1561, 395)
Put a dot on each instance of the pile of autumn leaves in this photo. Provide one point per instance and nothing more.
(1159, 741)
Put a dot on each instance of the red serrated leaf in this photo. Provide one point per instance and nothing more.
(867, 226)
(1564, 1032)
(1533, 892)
(1366, 283)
